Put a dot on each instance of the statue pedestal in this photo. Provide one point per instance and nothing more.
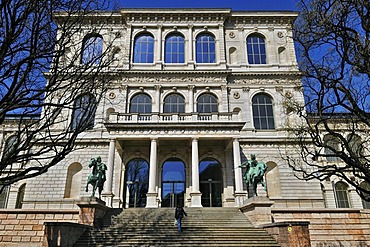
(92, 210)
(239, 198)
(258, 210)
(108, 198)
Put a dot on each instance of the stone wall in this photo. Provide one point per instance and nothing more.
(26, 227)
(331, 227)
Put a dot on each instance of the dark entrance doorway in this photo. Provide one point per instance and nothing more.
(173, 182)
(137, 178)
(210, 179)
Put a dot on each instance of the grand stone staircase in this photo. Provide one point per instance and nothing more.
(155, 227)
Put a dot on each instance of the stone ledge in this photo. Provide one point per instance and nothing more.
(315, 210)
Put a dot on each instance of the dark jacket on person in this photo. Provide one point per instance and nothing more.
(179, 213)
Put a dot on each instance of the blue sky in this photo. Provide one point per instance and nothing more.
(233, 4)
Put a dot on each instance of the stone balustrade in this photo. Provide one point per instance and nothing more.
(116, 117)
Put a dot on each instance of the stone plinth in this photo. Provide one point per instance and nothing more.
(92, 210)
(258, 210)
(239, 198)
(290, 233)
(196, 199)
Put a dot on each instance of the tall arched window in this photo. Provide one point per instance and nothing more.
(137, 179)
(20, 196)
(331, 143)
(4, 196)
(263, 115)
(205, 49)
(144, 48)
(92, 48)
(256, 50)
(207, 103)
(210, 182)
(341, 194)
(73, 182)
(84, 112)
(174, 103)
(366, 203)
(174, 49)
(10, 146)
(141, 103)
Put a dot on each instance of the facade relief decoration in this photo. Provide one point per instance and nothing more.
(170, 79)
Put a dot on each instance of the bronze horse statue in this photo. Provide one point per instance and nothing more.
(254, 175)
(97, 176)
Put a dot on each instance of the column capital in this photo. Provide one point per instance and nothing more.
(153, 138)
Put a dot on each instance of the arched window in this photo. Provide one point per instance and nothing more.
(84, 112)
(144, 48)
(20, 196)
(205, 49)
(174, 103)
(207, 103)
(137, 179)
(256, 50)
(355, 145)
(366, 203)
(73, 182)
(263, 116)
(10, 146)
(141, 103)
(92, 48)
(341, 194)
(331, 142)
(174, 49)
(4, 196)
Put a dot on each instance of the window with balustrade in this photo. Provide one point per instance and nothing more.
(174, 103)
(143, 48)
(141, 103)
(207, 103)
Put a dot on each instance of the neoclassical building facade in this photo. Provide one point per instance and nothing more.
(195, 92)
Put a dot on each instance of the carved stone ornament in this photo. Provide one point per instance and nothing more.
(232, 35)
(280, 34)
(161, 79)
(236, 95)
(112, 95)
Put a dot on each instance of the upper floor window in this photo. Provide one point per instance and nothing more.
(10, 146)
(332, 147)
(92, 48)
(141, 103)
(207, 103)
(84, 112)
(144, 48)
(174, 103)
(205, 49)
(263, 115)
(365, 203)
(174, 49)
(341, 193)
(256, 49)
(3, 195)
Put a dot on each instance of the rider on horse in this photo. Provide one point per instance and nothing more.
(97, 176)
(254, 174)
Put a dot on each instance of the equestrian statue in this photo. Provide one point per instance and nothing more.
(97, 176)
(254, 175)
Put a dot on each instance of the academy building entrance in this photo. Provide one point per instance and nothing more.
(210, 179)
(173, 182)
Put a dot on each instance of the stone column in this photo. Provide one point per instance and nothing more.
(108, 194)
(191, 98)
(159, 53)
(157, 104)
(151, 201)
(239, 194)
(196, 196)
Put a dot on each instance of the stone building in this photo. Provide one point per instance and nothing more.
(195, 93)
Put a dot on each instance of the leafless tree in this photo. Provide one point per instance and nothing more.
(333, 41)
(45, 74)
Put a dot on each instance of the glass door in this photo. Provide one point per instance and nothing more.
(137, 178)
(173, 183)
(210, 179)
